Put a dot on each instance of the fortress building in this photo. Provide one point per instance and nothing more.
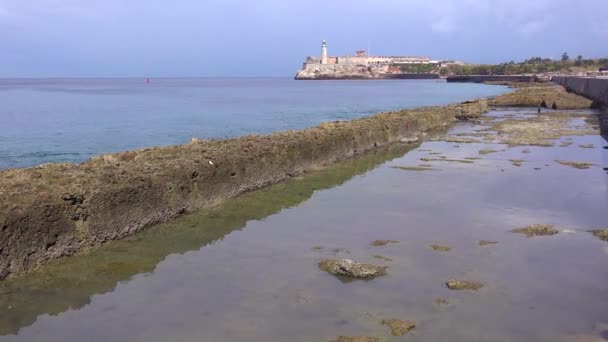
(362, 66)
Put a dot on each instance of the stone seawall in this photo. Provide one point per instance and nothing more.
(492, 78)
(55, 210)
(593, 88)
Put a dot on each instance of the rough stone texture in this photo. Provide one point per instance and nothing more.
(544, 95)
(472, 109)
(455, 284)
(399, 327)
(351, 269)
(593, 88)
(55, 210)
(536, 230)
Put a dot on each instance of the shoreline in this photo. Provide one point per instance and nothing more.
(57, 210)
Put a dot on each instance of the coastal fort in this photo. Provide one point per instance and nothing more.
(363, 66)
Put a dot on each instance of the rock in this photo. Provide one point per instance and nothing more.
(471, 109)
(355, 339)
(586, 146)
(377, 243)
(536, 230)
(517, 162)
(399, 327)
(487, 151)
(601, 233)
(574, 164)
(409, 140)
(441, 301)
(351, 269)
(383, 258)
(440, 248)
(455, 284)
(487, 242)
(413, 168)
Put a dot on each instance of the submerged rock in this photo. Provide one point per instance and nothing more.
(441, 301)
(440, 248)
(455, 284)
(383, 258)
(576, 165)
(377, 243)
(536, 230)
(487, 242)
(399, 327)
(414, 168)
(487, 151)
(517, 162)
(355, 339)
(351, 269)
(601, 233)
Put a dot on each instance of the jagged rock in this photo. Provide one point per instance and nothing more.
(351, 269)
(536, 230)
(455, 284)
(399, 327)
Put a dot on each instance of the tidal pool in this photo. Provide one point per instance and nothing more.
(247, 270)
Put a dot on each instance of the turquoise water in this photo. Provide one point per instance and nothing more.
(70, 120)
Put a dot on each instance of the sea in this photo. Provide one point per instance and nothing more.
(73, 119)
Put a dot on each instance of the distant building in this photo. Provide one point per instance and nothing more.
(362, 65)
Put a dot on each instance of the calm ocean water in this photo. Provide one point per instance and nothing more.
(70, 120)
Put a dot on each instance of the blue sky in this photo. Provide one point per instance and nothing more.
(41, 38)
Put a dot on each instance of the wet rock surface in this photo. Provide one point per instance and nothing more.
(441, 248)
(355, 339)
(350, 269)
(536, 230)
(413, 168)
(534, 95)
(456, 284)
(399, 327)
(378, 243)
(600, 233)
(575, 164)
(487, 242)
(441, 301)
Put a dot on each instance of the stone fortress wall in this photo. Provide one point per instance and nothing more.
(359, 66)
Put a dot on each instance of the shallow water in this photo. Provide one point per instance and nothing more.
(247, 270)
(70, 120)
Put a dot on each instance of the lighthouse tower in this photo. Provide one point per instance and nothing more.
(324, 52)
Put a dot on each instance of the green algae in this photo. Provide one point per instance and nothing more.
(70, 283)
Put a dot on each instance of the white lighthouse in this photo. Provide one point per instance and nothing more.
(324, 52)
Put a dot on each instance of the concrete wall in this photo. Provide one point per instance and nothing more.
(492, 78)
(593, 88)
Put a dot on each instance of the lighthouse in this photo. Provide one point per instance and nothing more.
(324, 52)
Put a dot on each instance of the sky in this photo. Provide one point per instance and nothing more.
(248, 38)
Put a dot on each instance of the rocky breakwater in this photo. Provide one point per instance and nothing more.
(56, 210)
